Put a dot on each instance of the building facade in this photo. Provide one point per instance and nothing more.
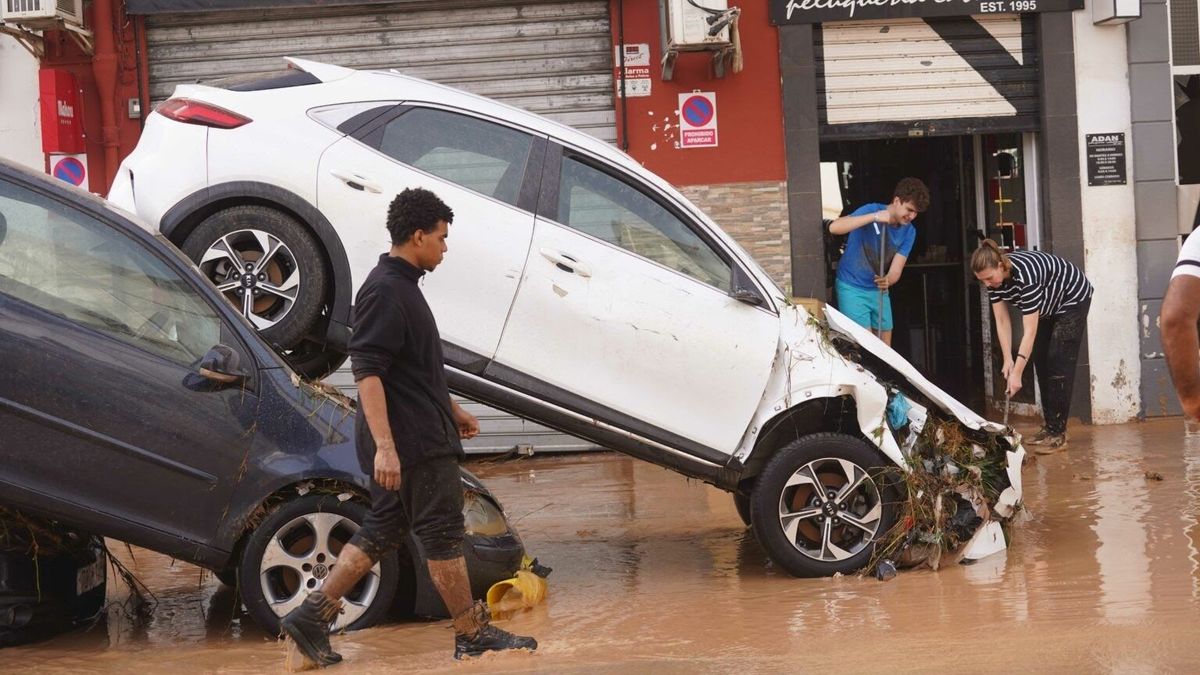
(1032, 124)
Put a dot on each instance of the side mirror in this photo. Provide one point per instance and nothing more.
(222, 365)
(743, 289)
(748, 296)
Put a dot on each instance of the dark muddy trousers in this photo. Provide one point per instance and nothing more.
(429, 503)
(1055, 353)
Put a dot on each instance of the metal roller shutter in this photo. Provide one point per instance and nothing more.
(553, 58)
(933, 69)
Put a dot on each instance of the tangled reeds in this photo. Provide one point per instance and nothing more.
(955, 478)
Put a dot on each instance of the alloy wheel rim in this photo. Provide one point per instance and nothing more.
(257, 271)
(299, 559)
(830, 509)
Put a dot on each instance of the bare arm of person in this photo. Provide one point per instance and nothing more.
(1180, 311)
(1004, 335)
(1029, 325)
(847, 224)
(893, 274)
(374, 406)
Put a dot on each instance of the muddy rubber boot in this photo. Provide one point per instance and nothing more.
(308, 627)
(474, 634)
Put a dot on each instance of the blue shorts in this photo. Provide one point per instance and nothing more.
(862, 306)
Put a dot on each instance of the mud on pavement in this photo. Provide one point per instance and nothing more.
(655, 572)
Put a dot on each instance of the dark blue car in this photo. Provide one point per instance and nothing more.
(136, 403)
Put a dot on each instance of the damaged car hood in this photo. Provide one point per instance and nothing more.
(948, 404)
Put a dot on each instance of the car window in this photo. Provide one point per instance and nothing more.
(71, 264)
(487, 158)
(592, 201)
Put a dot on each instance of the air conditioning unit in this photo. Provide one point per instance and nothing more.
(691, 27)
(42, 14)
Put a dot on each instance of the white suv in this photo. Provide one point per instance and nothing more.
(581, 290)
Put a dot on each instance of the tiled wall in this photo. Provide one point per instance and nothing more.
(756, 215)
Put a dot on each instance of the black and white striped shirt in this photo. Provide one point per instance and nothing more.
(1042, 282)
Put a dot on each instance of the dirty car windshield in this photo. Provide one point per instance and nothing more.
(70, 264)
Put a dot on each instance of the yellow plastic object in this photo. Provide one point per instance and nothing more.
(523, 591)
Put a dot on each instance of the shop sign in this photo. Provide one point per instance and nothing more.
(817, 11)
(637, 69)
(62, 118)
(1105, 159)
(698, 120)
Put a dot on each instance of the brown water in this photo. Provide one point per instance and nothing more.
(654, 573)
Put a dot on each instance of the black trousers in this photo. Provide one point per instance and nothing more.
(429, 503)
(1055, 354)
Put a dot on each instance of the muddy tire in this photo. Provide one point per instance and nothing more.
(291, 554)
(287, 282)
(314, 361)
(741, 502)
(822, 503)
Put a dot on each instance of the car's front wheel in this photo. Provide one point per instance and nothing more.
(822, 503)
(268, 265)
(294, 551)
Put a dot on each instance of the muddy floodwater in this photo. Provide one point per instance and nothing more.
(655, 573)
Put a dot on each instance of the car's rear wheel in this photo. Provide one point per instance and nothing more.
(293, 552)
(822, 503)
(268, 265)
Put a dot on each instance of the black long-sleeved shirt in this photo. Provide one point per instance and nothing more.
(396, 338)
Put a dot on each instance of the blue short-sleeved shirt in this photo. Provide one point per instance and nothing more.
(860, 263)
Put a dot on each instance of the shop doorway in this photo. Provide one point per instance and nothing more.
(978, 188)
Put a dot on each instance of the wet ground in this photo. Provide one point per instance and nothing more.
(655, 573)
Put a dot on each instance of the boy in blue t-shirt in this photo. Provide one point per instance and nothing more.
(859, 283)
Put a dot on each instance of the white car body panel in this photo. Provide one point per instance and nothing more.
(646, 341)
(472, 290)
(168, 165)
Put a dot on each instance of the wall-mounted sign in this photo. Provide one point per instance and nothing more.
(637, 69)
(1105, 159)
(70, 168)
(62, 118)
(817, 11)
(698, 120)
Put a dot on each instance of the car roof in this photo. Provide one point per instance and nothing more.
(88, 201)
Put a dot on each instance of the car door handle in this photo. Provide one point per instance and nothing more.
(356, 181)
(565, 262)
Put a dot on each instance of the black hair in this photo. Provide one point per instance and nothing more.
(415, 209)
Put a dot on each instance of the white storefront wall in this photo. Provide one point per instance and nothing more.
(20, 124)
(1109, 223)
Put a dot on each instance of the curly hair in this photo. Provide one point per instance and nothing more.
(913, 190)
(415, 209)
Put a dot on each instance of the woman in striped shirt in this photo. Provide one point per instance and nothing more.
(1053, 296)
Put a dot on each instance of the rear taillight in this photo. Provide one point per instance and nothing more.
(197, 112)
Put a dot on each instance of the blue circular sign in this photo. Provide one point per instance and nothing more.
(698, 111)
(70, 170)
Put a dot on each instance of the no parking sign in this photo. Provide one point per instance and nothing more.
(698, 120)
(70, 168)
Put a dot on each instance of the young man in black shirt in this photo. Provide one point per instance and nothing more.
(407, 436)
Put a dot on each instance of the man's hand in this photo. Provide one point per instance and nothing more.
(1007, 367)
(884, 216)
(468, 426)
(886, 281)
(387, 466)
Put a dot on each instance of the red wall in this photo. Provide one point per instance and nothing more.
(749, 109)
(62, 53)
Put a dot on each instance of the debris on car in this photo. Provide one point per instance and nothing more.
(960, 483)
